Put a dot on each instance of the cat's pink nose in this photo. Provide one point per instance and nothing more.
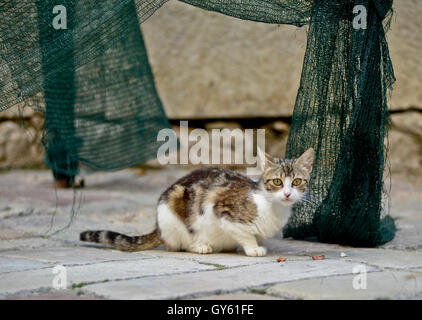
(287, 194)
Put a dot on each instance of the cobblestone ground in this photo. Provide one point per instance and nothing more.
(124, 201)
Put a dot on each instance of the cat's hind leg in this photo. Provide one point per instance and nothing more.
(174, 232)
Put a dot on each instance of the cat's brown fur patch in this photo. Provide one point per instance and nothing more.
(227, 190)
(177, 199)
(235, 205)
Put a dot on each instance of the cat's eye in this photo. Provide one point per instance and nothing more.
(297, 182)
(277, 182)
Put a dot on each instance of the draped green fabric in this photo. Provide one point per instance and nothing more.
(92, 80)
(341, 110)
(94, 83)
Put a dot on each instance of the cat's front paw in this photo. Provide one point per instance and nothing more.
(256, 251)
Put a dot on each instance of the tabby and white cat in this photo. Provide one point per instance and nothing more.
(211, 210)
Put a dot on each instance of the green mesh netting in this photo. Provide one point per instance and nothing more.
(341, 110)
(102, 108)
(98, 94)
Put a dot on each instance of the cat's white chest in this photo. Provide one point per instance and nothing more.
(270, 217)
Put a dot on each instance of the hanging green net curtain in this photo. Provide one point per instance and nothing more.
(93, 80)
(102, 107)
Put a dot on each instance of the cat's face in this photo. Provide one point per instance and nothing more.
(286, 181)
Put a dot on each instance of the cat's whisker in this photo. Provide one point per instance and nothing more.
(310, 201)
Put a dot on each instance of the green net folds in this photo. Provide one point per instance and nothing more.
(341, 110)
(94, 84)
(92, 80)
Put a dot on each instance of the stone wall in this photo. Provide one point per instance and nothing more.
(208, 65)
(20, 138)
(405, 139)
(20, 143)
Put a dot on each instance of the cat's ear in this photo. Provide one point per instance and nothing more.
(265, 160)
(307, 159)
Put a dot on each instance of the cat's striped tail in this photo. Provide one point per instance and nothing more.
(123, 242)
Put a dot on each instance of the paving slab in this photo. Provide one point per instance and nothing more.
(383, 258)
(79, 276)
(221, 260)
(70, 256)
(26, 243)
(240, 296)
(12, 264)
(390, 284)
(125, 202)
(52, 296)
(282, 246)
(408, 235)
(220, 281)
(39, 226)
(225, 259)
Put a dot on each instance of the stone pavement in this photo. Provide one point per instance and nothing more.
(124, 201)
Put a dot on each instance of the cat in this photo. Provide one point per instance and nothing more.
(213, 209)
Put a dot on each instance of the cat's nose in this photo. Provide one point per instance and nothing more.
(287, 194)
